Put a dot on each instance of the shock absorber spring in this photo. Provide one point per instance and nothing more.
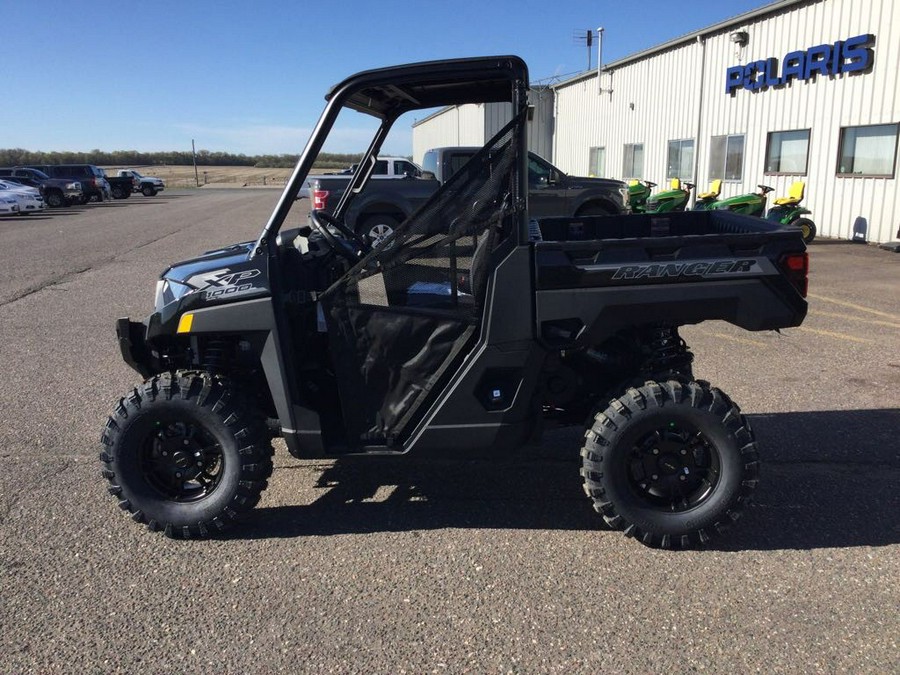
(216, 355)
(669, 353)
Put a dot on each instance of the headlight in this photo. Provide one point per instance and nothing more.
(169, 291)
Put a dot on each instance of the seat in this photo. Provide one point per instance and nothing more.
(675, 184)
(795, 195)
(714, 189)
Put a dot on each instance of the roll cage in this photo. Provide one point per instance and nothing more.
(388, 93)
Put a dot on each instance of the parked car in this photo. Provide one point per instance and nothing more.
(93, 180)
(148, 186)
(9, 206)
(29, 198)
(56, 192)
(120, 187)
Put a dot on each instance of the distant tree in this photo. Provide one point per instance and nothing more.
(18, 156)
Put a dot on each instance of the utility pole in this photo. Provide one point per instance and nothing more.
(194, 154)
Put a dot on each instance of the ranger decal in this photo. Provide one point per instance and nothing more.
(699, 268)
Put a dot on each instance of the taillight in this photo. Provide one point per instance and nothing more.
(796, 267)
(320, 198)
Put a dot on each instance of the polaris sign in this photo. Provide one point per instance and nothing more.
(844, 56)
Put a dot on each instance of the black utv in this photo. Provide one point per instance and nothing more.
(471, 327)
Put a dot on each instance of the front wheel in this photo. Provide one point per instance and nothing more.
(185, 455)
(671, 464)
(807, 228)
(55, 199)
(378, 228)
(148, 191)
(593, 210)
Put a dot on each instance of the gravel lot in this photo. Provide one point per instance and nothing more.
(414, 566)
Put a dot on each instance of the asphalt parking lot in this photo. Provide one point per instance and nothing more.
(414, 566)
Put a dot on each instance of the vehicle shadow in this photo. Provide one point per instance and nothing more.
(26, 218)
(828, 480)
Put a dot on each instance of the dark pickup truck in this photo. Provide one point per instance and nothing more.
(461, 332)
(120, 187)
(93, 181)
(383, 205)
(57, 192)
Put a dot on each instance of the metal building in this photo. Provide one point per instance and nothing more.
(474, 124)
(798, 90)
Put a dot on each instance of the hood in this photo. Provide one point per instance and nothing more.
(193, 272)
(585, 182)
(223, 275)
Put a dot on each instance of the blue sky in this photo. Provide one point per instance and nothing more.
(250, 76)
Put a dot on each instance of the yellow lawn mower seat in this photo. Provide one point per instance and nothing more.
(795, 195)
(714, 189)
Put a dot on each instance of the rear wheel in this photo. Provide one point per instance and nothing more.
(671, 464)
(118, 192)
(807, 228)
(185, 455)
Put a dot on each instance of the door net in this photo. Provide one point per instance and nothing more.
(408, 310)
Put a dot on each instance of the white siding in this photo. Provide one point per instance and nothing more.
(476, 124)
(665, 90)
(540, 128)
(650, 103)
(460, 125)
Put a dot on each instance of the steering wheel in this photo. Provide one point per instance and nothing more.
(321, 220)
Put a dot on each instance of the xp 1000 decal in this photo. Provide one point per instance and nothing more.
(220, 283)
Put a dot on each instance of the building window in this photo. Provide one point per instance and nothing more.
(726, 157)
(787, 152)
(598, 163)
(680, 162)
(633, 166)
(868, 151)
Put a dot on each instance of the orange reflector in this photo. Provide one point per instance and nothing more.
(184, 323)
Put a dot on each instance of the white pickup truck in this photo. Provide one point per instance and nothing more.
(146, 185)
(390, 167)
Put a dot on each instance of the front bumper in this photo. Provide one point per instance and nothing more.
(132, 337)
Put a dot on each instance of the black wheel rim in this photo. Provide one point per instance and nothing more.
(674, 468)
(182, 461)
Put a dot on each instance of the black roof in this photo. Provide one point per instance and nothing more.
(432, 84)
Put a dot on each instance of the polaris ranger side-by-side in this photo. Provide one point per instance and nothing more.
(469, 327)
